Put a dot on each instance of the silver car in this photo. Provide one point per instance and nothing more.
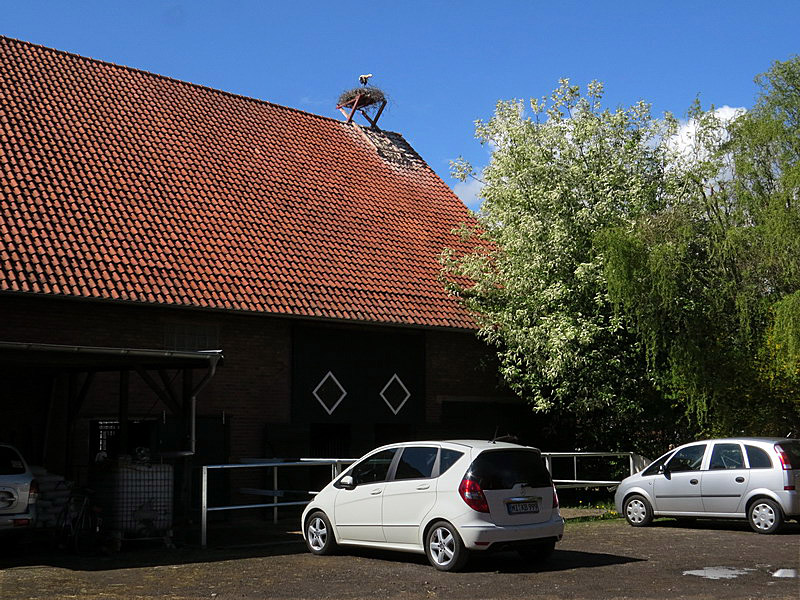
(18, 492)
(743, 478)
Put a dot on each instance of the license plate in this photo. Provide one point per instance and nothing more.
(517, 508)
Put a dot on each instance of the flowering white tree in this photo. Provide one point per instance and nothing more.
(562, 171)
(623, 271)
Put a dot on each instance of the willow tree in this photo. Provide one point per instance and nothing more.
(711, 279)
(562, 171)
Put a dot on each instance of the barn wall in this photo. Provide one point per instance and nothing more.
(253, 390)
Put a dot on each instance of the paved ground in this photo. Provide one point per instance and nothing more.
(597, 559)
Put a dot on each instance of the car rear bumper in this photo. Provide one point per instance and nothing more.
(790, 502)
(482, 535)
(17, 522)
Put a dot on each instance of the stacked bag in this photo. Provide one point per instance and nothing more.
(54, 493)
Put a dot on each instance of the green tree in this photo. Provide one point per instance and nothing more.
(561, 172)
(765, 145)
(711, 277)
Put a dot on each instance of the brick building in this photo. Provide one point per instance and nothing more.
(145, 219)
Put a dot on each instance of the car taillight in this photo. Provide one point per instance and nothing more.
(33, 492)
(782, 454)
(471, 492)
(555, 498)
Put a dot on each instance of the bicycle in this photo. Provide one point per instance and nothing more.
(79, 524)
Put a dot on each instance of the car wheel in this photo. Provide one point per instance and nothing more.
(319, 534)
(537, 552)
(765, 516)
(444, 547)
(638, 511)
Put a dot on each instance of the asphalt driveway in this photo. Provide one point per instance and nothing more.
(598, 560)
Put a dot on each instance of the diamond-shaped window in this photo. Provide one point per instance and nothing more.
(395, 394)
(329, 392)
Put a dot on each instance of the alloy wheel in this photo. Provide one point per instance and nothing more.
(442, 546)
(317, 533)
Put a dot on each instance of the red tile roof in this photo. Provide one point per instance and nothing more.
(121, 184)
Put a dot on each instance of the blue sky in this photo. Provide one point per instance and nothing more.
(442, 64)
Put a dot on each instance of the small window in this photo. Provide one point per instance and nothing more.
(416, 463)
(191, 336)
(448, 459)
(757, 458)
(373, 469)
(726, 456)
(687, 459)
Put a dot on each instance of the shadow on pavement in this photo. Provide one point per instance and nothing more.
(505, 562)
(561, 560)
(226, 543)
(789, 528)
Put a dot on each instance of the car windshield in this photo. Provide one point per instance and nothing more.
(10, 462)
(502, 469)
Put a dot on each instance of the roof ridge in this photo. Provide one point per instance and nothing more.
(173, 79)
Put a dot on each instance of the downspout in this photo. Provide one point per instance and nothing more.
(212, 369)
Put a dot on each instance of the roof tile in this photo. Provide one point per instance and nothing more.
(118, 183)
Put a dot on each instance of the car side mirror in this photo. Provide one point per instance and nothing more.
(347, 482)
(664, 470)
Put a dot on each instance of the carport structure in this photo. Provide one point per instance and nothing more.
(158, 369)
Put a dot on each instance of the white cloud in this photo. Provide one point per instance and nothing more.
(469, 192)
(683, 142)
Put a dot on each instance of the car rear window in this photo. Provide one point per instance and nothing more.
(793, 450)
(10, 462)
(502, 469)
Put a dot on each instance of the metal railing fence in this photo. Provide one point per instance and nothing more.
(335, 465)
(634, 462)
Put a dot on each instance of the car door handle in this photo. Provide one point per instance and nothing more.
(694, 481)
(740, 480)
(423, 486)
(376, 492)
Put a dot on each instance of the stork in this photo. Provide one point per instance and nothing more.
(363, 79)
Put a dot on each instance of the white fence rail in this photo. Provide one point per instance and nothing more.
(635, 463)
(335, 465)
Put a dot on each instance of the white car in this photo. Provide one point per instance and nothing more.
(757, 479)
(18, 492)
(443, 499)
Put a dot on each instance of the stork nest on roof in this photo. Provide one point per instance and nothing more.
(370, 96)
